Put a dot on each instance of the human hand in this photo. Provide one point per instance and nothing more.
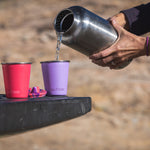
(127, 47)
(121, 20)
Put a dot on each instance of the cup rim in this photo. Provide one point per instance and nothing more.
(55, 61)
(15, 63)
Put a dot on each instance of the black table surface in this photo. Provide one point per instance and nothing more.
(20, 115)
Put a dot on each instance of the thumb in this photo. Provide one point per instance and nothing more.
(117, 27)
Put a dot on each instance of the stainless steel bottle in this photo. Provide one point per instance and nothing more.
(84, 31)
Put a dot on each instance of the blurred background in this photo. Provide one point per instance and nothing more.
(120, 117)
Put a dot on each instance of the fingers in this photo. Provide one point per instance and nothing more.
(112, 62)
(121, 63)
(111, 49)
(105, 56)
(104, 53)
(99, 62)
(111, 65)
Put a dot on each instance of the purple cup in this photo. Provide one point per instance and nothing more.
(55, 76)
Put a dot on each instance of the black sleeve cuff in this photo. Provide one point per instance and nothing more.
(138, 19)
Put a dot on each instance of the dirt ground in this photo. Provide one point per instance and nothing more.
(120, 116)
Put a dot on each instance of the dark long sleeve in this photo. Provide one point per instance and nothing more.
(138, 19)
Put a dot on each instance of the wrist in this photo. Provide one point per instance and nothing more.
(144, 46)
(147, 46)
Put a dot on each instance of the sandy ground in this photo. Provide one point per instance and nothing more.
(119, 119)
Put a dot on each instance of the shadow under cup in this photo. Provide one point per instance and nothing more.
(55, 76)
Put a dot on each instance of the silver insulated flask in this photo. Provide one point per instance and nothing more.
(84, 31)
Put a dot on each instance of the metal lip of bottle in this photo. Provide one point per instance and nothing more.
(64, 21)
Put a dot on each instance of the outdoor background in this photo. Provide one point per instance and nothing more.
(120, 117)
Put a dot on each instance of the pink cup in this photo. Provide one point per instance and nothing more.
(16, 79)
(55, 76)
